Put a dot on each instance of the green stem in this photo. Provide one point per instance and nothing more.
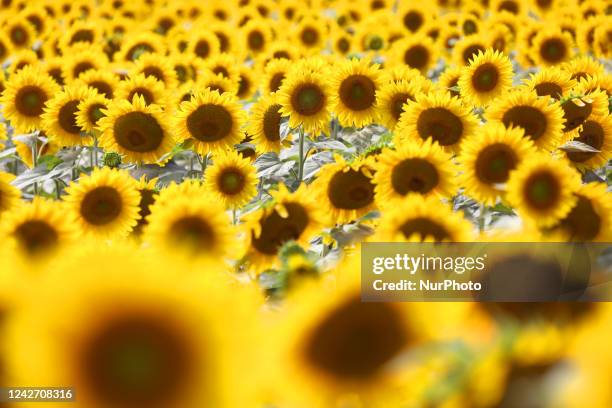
(481, 218)
(35, 163)
(94, 150)
(301, 155)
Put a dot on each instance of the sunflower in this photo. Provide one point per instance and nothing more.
(224, 65)
(467, 48)
(213, 82)
(138, 44)
(551, 81)
(542, 189)
(274, 74)
(90, 110)
(203, 44)
(184, 66)
(53, 67)
(488, 157)
(487, 76)
(438, 116)
(159, 342)
(288, 217)
(257, 36)
(226, 37)
(418, 52)
(583, 66)
(345, 190)
(449, 80)
(541, 120)
(247, 84)
(551, 46)
(148, 197)
(280, 49)
(21, 59)
(500, 38)
(81, 32)
(60, 118)
(592, 84)
(264, 124)
(590, 219)
(156, 66)
(146, 87)
(392, 97)
(415, 16)
(9, 195)
(595, 132)
(37, 228)
(25, 96)
(421, 167)
(104, 82)
(192, 226)
(601, 41)
(354, 85)
(82, 59)
(418, 218)
(305, 98)
(43, 148)
(213, 121)
(311, 34)
(136, 130)
(104, 203)
(577, 109)
(20, 31)
(6, 47)
(231, 180)
(342, 42)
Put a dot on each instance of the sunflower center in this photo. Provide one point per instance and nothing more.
(67, 117)
(154, 72)
(147, 199)
(310, 36)
(136, 360)
(210, 123)
(224, 42)
(575, 115)
(30, 100)
(181, 73)
(281, 54)
(553, 50)
(358, 92)
(19, 36)
(485, 77)
(271, 123)
(192, 232)
(548, 88)
(101, 205)
(454, 84)
(414, 175)
(82, 36)
(102, 88)
(375, 43)
(231, 181)
(441, 125)
(591, 134)
(202, 49)
(397, 104)
(276, 230)
(417, 57)
(424, 227)
(256, 40)
(350, 190)
(542, 190)
(494, 163)
(276, 81)
(583, 223)
(471, 52)
(137, 50)
(469, 27)
(81, 68)
(530, 119)
(36, 236)
(509, 6)
(413, 21)
(343, 45)
(138, 132)
(308, 99)
(356, 340)
(141, 92)
(94, 114)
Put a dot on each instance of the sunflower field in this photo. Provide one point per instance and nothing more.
(185, 187)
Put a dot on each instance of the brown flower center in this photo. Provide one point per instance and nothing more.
(138, 132)
(309, 36)
(397, 104)
(308, 99)
(30, 100)
(271, 123)
(256, 41)
(553, 50)
(542, 190)
(440, 124)
(82, 36)
(154, 72)
(413, 21)
(36, 236)
(276, 230)
(276, 81)
(358, 92)
(19, 36)
(67, 117)
(356, 340)
(147, 199)
(192, 233)
(575, 115)
(494, 163)
(591, 134)
(582, 223)
(231, 181)
(101, 205)
(102, 88)
(350, 190)
(531, 119)
(81, 68)
(424, 227)
(210, 123)
(549, 88)
(202, 49)
(417, 57)
(94, 113)
(414, 176)
(485, 78)
(471, 52)
(142, 92)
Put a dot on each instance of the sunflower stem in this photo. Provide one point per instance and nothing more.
(35, 162)
(481, 217)
(301, 156)
(94, 150)
(234, 219)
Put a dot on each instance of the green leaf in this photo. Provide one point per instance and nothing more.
(50, 161)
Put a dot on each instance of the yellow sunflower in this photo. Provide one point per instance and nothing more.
(591, 218)
(541, 120)
(264, 124)
(467, 48)
(551, 81)
(136, 130)
(418, 52)
(415, 16)
(583, 66)
(90, 110)
(345, 190)
(37, 228)
(81, 32)
(354, 85)
(274, 74)
(60, 118)
(20, 32)
(247, 84)
(310, 34)
(542, 189)
(420, 167)
(488, 157)
(213, 121)
(137, 44)
(148, 196)
(147, 87)
(418, 218)
(225, 65)
(82, 59)
(203, 44)
(438, 116)
(25, 96)
(487, 76)
(138, 336)
(104, 203)
(9, 194)
(288, 217)
(551, 46)
(392, 98)
(6, 47)
(104, 82)
(595, 132)
(22, 59)
(213, 82)
(257, 36)
(231, 180)
(305, 98)
(449, 80)
(195, 227)
(158, 67)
